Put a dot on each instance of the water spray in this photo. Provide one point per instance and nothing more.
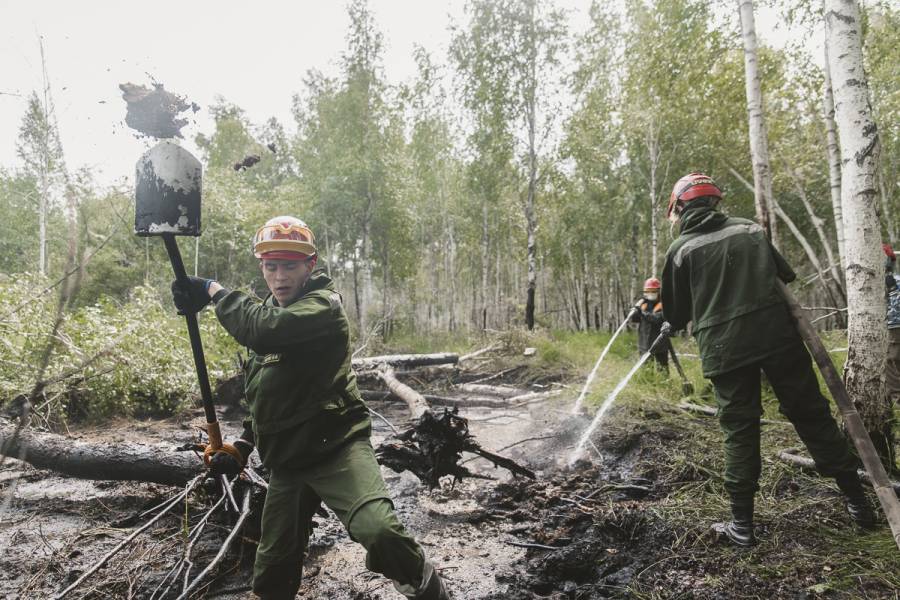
(663, 338)
(587, 384)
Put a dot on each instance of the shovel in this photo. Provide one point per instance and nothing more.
(687, 388)
(167, 203)
(852, 421)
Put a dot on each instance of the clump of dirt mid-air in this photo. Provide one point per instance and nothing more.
(155, 112)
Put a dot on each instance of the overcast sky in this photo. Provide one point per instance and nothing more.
(253, 53)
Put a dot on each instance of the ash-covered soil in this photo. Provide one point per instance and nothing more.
(631, 521)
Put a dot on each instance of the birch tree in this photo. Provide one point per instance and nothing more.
(759, 150)
(834, 158)
(41, 152)
(509, 57)
(858, 136)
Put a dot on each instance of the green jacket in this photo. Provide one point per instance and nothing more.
(720, 273)
(303, 397)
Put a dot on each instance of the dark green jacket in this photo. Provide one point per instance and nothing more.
(303, 397)
(720, 274)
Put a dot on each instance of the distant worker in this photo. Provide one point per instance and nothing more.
(892, 364)
(649, 316)
(720, 273)
(308, 419)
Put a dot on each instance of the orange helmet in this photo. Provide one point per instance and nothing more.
(652, 285)
(286, 238)
(689, 187)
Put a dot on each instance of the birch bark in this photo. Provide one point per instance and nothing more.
(858, 138)
(834, 159)
(759, 149)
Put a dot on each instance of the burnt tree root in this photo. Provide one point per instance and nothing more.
(433, 447)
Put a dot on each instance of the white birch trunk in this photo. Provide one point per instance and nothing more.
(834, 160)
(42, 229)
(759, 149)
(858, 136)
(654, 152)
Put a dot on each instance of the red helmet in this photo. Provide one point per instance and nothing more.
(693, 185)
(652, 285)
(889, 252)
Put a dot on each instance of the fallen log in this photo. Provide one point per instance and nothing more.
(710, 411)
(808, 464)
(129, 461)
(434, 400)
(404, 360)
(414, 400)
(504, 391)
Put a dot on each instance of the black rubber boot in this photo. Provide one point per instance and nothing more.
(739, 530)
(857, 503)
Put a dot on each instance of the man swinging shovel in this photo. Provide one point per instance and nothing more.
(167, 204)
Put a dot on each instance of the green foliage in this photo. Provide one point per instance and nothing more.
(135, 355)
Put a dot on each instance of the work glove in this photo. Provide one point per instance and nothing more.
(192, 297)
(230, 459)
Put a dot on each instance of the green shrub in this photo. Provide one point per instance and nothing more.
(138, 356)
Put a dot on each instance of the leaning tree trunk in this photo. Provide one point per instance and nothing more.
(759, 149)
(858, 136)
(834, 160)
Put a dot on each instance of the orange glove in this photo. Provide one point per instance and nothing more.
(229, 459)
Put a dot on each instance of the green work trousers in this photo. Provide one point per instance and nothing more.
(350, 484)
(790, 373)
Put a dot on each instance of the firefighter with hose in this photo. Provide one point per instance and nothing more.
(649, 317)
(720, 273)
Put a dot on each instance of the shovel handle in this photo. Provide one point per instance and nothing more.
(676, 361)
(212, 422)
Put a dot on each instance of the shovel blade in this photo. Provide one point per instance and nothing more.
(167, 192)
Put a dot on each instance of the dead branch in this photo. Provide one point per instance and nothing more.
(471, 355)
(788, 455)
(529, 545)
(434, 400)
(531, 397)
(174, 501)
(414, 400)
(245, 512)
(386, 422)
(502, 391)
(710, 411)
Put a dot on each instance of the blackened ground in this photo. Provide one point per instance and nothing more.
(631, 521)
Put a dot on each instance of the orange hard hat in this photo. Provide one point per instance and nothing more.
(286, 238)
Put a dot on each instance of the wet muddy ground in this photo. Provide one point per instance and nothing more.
(630, 522)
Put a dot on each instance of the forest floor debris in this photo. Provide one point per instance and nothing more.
(631, 522)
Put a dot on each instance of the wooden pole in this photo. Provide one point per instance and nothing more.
(872, 463)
